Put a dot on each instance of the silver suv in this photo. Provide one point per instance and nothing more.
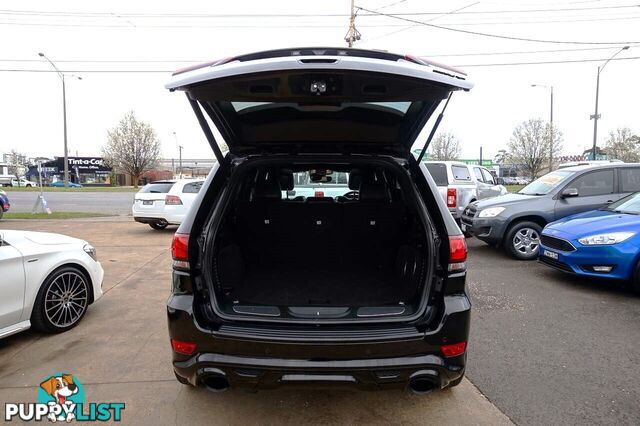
(460, 184)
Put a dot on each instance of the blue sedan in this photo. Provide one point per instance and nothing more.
(601, 243)
(60, 183)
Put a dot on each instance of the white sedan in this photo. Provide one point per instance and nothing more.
(46, 281)
(165, 202)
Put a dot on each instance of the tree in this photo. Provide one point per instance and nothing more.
(529, 147)
(445, 146)
(17, 164)
(132, 147)
(623, 145)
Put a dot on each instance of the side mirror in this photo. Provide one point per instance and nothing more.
(500, 181)
(569, 192)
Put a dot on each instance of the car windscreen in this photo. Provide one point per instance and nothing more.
(543, 185)
(628, 205)
(438, 172)
(157, 187)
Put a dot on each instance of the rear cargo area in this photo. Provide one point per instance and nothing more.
(365, 249)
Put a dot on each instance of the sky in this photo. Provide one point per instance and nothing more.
(154, 37)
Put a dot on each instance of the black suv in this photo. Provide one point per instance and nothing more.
(516, 220)
(363, 288)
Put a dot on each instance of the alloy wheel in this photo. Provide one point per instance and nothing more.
(66, 299)
(526, 241)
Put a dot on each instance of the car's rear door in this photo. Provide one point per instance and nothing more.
(151, 197)
(317, 100)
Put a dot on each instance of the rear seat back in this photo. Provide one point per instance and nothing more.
(319, 227)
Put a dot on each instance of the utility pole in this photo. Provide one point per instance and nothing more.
(180, 149)
(352, 34)
(480, 162)
(596, 116)
(64, 115)
(551, 139)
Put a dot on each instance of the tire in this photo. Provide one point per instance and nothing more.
(634, 283)
(51, 313)
(522, 240)
(158, 226)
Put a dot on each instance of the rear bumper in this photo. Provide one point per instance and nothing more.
(363, 374)
(263, 362)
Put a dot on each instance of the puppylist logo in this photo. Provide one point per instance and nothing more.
(61, 399)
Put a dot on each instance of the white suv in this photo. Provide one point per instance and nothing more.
(165, 202)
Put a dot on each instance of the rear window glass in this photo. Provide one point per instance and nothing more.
(460, 173)
(629, 180)
(438, 172)
(157, 188)
(398, 107)
(192, 188)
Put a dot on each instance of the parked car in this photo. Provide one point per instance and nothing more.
(522, 181)
(4, 203)
(515, 221)
(48, 281)
(587, 163)
(60, 184)
(23, 182)
(602, 243)
(460, 184)
(165, 202)
(268, 291)
(509, 180)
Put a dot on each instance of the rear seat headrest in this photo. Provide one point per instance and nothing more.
(267, 186)
(373, 190)
(285, 179)
(355, 179)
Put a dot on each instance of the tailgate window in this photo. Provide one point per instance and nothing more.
(438, 172)
(461, 173)
(157, 188)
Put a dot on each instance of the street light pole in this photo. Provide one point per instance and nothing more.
(596, 116)
(550, 88)
(64, 116)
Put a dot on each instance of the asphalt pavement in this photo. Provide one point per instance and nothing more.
(545, 348)
(82, 201)
(548, 348)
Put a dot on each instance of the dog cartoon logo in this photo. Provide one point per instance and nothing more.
(62, 388)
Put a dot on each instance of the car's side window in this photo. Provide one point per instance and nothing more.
(488, 177)
(192, 188)
(594, 183)
(478, 173)
(460, 173)
(629, 179)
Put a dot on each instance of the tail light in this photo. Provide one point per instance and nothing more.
(451, 197)
(172, 200)
(184, 348)
(454, 349)
(319, 194)
(180, 251)
(457, 253)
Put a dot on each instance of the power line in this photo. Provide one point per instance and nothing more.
(482, 34)
(294, 15)
(120, 71)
